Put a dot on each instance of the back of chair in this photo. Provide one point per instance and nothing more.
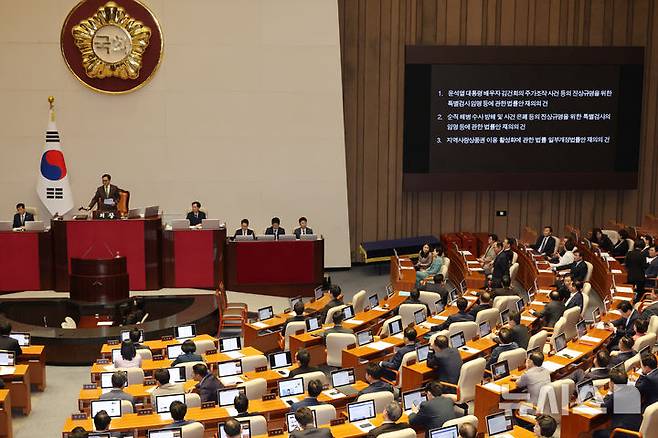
(204, 345)
(514, 270)
(558, 329)
(491, 315)
(384, 330)
(135, 375)
(470, 329)
(653, 325)
(462, 420)
(403, 433)
(33, 210)
(470, 375)
(315, 375)
(255, 388)
(193, 400)
(632, 363)
(336, 342)
(572, 316)
(515, 358)
(644, 341)
(193, 430)
(408, 357)
(250, 363)
(258, 424)
(590, 267)
(324, 413)
(145, 354)
(445, 267)
(330, 313)
(505, 302)
(292, 328)
(649, 420)
(587, 288)
(429, 298)
(124, 202)
(381, 398)
(551, 398)
(613, 235)
(538, 339)
(515, 258)
(359, 301)
(126, 407)
(406, 312)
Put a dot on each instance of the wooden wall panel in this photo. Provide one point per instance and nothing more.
(373, 36)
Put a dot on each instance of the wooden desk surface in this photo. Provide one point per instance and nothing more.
(517, 432)
(19, 372)
(349, 430)
(278, 320)
(137, 391)
(33, 350)
(157, 344)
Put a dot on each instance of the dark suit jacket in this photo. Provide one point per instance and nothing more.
(207, 388)
(549, 248)
(447, 364)
(279, 231)
(635, 264)
(598, 373)
(385, 428)
(396, 360)
(579, 271)
(605, 244)
(29, 217)
(455, 317)
(501, 266)
(376, 386)
(620, 249)
(625, 326)
(196, 220)
(302, 370)
(10, 344)
(622, 396)
(500, 349)
(576, 300)
(648, 387)
(312, 432)
(298, 231)
(553, 310)
(521, 336)
(433, 413)
(652, 269)
(649, 311)
(623, 356)
(308, 401)
(185, 357)
(238, 232)
(479, 307)
(100, 194)
(330, 304)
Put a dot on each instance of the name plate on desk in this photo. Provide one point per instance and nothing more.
(267, 397)
(275, 432)
(145, 411)
(211, 352)
(158, 357)
(337, 422)
(149, 382)
(167, 338)
(261, 369)
(208, 405)
(102, 361)
(89, 386)
(113, 342)
(78, 416)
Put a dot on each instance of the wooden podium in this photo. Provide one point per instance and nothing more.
(99, 280)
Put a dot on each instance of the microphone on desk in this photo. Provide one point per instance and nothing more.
(45, 321)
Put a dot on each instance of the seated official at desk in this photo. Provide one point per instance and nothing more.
(119, 380)
(304, 417)
(445, 360)
(467, 430)
(196, 216)
(622, 403)
(431, 414)
(505, 344)
(244, 229)
(545, 426)
(409, 346)
(414, 298)
(208, 383)
(575, 296)
(336, 300)
(599, 369)
(275, 230)
(461, 316)
(303, 229)
(552, 311)
(164, 387)
(102, 424)
(647, 383)
(439, 286)
(189, 354)
(129, 357)
(298, 308)
(78, 432)
(178, 410)
(566, 257)
(484, 303)
(314, 391)
(338, 326)
(21, 216)
(7, 343)
(505, 289)
(241, 405)
(578, 267)
(232, 428)
(392, 413)
(624, 353)
(545, 243)
(520, 333)
(564, 286)
(106, 197)
(624, 326)
(601, 239)
(535, 376)
(652, 268)
(374, 378)
(303, 360)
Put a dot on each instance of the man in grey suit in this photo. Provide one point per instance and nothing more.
(119, 380)
(304, 417)
(535, 376)
(445, 360)
(431, 414)
(552, 311)
(391, 414)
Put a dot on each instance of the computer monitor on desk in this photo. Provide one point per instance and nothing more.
(265, 237)
(243, 238)
(151, 211)
(308, 237)
(180, 224)
(211, 224)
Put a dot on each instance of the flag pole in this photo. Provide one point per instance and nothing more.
(51, 102)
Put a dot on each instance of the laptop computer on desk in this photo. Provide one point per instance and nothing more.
(342, 381)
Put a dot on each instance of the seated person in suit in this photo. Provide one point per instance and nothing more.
(338, 326)
(564, 286)
(431, 414)
(545, 426)
(314, 390)
(624, 326)
(135, 335)
(578, 267)
(409, 345)
(489, 254)
(129, 357)
(552, 311)
(621, 247)
(79, 432)
(304, 417)
(635, 263)
(298, 308)
(21, 216)
(599, 369)
(106, 197)
(575, 296)
(244, 229)
(275, 230)
(652, 268)
(439, 286)
(505, 343)
(303, 229)
(102, 423)
(119, 380)
(336, 300)
(164, 387)
(641, 325)
(374, 379)
(534, 377)
(303, 360)
(196, 216)
(241, 404)
(208, 383)
(622, 403)
(505, 290)
(602, 240)
(189, 354)
(467, 430)
(484, 303)
(647, 383)
(519, 333)
(461, 316)
(500, 266)
(392, 413)
(545, 243)
(178, 410)
(445, 361)
(414, 298)
(624, 353)
(7, 343)
(232, 428)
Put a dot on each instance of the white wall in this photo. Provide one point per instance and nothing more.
(245, 114)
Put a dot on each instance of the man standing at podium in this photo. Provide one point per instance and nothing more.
(106, 196)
